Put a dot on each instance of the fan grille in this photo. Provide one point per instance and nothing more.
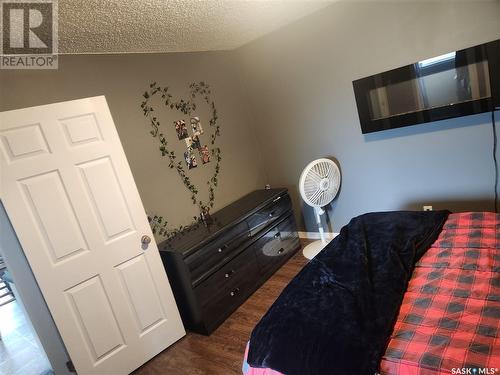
(320, 182)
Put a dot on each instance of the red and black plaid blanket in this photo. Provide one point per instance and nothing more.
(450, 316)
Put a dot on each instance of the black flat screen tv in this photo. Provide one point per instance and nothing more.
(454, 84)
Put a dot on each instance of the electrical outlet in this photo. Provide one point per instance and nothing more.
(427, 208)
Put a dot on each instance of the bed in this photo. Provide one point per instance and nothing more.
(446, 323)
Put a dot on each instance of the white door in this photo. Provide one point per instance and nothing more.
(69, 192)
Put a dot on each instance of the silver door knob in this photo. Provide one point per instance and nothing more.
(145, 240)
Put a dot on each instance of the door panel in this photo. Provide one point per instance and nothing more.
(56, 222)
(104, 191)
(91, 311)
(70, 195)
(141, 291)
(24, 141)
(81, 129)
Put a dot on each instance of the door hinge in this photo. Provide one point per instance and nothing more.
(71, 366)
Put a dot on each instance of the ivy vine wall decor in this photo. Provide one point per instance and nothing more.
(159, 224)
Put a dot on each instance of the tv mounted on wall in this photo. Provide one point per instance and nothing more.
(455, 84)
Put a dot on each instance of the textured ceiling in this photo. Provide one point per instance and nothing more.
(128, 26)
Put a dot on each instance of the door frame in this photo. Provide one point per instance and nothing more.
(31, 296)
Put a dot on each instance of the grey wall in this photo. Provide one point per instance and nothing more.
(299, 80)
(123, 79)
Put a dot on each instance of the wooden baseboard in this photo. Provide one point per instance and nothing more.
(315, 235)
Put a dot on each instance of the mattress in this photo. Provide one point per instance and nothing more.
(449, 319)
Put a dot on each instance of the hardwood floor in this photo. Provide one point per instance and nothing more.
(221, 353)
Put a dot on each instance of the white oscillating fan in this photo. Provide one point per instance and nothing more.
(319, 184)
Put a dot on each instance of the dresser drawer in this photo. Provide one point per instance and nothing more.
(225, 290)
(216, 252)
(269, 213)
(222, 282)
(277, 245)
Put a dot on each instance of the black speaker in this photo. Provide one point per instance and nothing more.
(493, 52)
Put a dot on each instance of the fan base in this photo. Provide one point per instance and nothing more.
(311, 250)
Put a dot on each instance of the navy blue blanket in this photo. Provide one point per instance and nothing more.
(337, 314)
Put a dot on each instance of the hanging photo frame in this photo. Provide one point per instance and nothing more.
(196, 126)
(181, 129)
(193, 142)
(190, 159)
(205, 154)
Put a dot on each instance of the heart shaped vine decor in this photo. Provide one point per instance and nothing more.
(159, 224)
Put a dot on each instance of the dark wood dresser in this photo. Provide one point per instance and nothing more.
(213, 269)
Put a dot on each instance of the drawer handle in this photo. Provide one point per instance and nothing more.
(227, 275)
(280, 251)
(271, 214)
(277, 235)
(234, 292)
(276, 199)
(220, 249)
